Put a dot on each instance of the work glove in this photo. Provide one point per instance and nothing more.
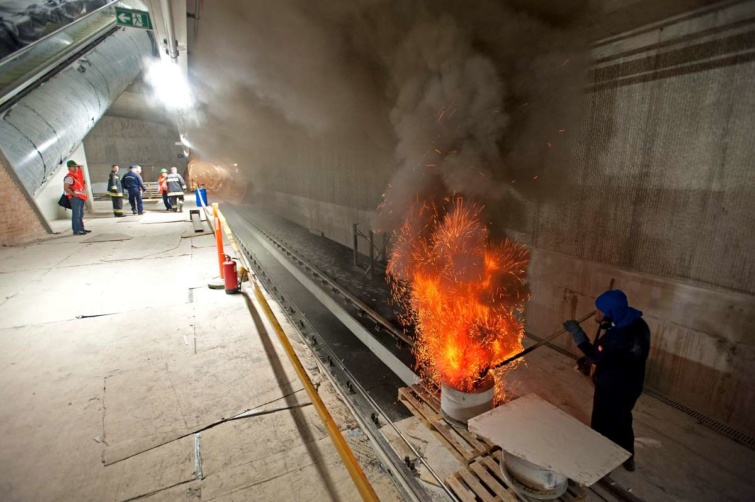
(576, 331)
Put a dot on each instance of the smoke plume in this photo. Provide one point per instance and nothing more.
(471, 98)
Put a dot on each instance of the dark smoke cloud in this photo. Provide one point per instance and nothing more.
(470, 96)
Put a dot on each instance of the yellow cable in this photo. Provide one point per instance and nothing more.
(347, 456)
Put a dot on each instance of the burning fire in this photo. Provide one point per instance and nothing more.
(462, 292)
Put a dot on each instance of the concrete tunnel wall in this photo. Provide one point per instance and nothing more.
(661, 200)
(125, 141)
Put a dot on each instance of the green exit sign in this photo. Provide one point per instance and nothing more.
(133, 18)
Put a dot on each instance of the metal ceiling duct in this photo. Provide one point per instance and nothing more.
(41, 130)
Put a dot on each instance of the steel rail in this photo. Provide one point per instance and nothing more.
(341, 290)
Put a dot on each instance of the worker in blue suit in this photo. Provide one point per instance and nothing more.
(619, 357)
(132, 181)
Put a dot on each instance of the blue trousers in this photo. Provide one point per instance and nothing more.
(165, 200)
(135, 199)
(77, 219)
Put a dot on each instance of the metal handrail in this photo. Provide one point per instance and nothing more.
(6, 96)
(36, 43)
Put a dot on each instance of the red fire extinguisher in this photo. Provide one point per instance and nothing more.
(230, 276)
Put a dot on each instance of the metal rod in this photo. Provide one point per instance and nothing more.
(196, 22)
(540, 343)
(218, 237)
(356, 245)
(372, 253)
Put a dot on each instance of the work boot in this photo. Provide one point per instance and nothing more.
(629, 464)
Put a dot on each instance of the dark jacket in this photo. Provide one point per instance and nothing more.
(175, 183)
(114, 184)
(133, 182)
(619, 357)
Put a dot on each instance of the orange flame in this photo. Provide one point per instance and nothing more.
(462, 293)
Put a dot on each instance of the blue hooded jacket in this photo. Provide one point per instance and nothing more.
(614, 305)
(620, 354)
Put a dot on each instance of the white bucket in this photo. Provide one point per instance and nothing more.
(458, 406)
(533, 480)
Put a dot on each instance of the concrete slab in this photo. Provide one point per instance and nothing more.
(185, 396)
(233, 444)
(184, 492)
(144, 247)
(108, 238)
(303, 472)
(12, 283)
(157, 419)
(37, 257)
(154, 471)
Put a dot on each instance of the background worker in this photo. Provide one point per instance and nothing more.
(176, 187)
(80, 176)
(619, 357)
(132, 181)
(73, 186)
(163, 187)
(115, 190)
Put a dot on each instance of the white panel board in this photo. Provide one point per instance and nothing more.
(537, 431)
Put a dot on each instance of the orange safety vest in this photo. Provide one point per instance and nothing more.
(80, 175)
(160, 181)
(77, 186)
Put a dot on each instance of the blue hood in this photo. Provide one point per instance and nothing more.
(615, 306)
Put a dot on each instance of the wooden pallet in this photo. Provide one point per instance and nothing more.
(464, 445)
(482, 481)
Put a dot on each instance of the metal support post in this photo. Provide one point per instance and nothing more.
(356, 245)
(372, 253)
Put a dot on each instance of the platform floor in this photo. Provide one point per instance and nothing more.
(121, 370)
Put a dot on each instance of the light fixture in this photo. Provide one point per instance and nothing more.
(168, 83)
